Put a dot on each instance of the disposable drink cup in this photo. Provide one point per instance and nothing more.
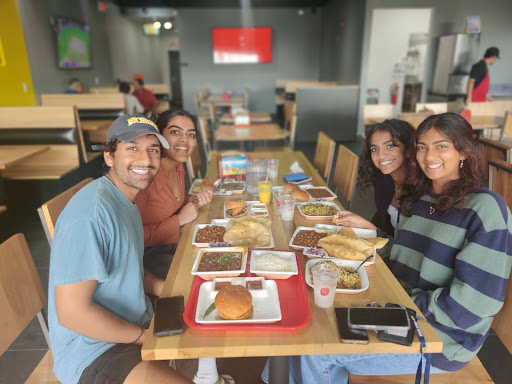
(287, 208)
(280, 194)
(273, 167)
(264, 191)
(325, 278)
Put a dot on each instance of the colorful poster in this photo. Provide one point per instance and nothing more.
(474, 25)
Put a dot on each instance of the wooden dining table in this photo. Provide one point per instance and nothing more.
(319, 336)
(220, 101)
(256, 117)
(253, 132)
(12, 154)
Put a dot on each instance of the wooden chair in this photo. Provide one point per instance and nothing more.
(193, 166)
(205, 135)
(246, 98)
(474, 372)
(500, 181)
(293, 128)
(506, 130)
(492, 150)
(415, 119)
(324, 154)
(49, 212)
(22, 298)
(345, 173)
(377, 113)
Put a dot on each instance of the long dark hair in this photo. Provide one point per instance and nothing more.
(400, 131)
(460, 133)
(164, 118)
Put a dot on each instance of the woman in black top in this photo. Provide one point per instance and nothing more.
(383, 164)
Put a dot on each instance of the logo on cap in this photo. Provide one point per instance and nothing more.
(141, 120)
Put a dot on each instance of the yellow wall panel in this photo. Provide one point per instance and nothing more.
(15, 79)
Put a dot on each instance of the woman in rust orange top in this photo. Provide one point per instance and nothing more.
(163, 206)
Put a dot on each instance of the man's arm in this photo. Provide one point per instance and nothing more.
(152, 283)
(77, 312)
(469, 91)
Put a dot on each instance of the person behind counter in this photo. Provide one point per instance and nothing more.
(383, 164)
(145, 97)
(450, 229)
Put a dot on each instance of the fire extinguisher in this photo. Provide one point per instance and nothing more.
(394, 93)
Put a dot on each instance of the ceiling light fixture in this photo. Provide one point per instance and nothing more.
(157, 25)
(167, 25)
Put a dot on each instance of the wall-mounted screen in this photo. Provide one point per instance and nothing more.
(73, 43)
(242, 45)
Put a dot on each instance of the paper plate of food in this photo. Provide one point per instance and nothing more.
(348, 282)
(238, 301)
(347, 244)
(249, 231)
(305, 237)
(318, 211)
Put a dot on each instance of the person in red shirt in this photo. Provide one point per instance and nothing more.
(478, 83)
(145, 97)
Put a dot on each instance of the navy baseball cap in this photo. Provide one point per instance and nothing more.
(128, 127)
(492, 51)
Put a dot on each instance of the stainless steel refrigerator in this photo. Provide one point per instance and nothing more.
(455, 56)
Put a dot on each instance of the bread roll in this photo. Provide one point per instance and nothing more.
(235, 203)
(300, 195)
(288, 187)
(234, 302)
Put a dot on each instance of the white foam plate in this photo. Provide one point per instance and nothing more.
(201, 226)
(265, 302)
(328, 198)
(251, 206)
(213, 274)
(365, 283)
(224, 222)
(288, 256)
(360, 232)
(300, 228)
(329, 203)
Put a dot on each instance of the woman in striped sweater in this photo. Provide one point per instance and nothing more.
(452, 252)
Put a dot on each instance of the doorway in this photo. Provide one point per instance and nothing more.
(175, 76)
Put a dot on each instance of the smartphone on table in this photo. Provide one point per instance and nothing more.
(169, 316)
(347, 334)
(389, 319)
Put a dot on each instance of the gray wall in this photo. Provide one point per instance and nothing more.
(41, 43)
(295, 52)
(342, 41)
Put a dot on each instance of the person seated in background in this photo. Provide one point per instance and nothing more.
(146, 98)
(74, 86)
(98, 311)
(131, 102)
(452, 254)
(382, 163)
(164, 206)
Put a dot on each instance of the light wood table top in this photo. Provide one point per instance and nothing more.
(11, 154)
(219, 101)
(252, 132)
(320, 336)
(256, 117)
(95, 125)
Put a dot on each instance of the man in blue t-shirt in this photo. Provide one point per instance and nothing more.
(97, 309)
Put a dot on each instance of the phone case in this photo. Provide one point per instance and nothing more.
(403, 340)
(347, 334)
(399, 330)
(169, 316)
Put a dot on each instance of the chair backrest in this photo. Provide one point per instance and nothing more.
(104, 90)
(324, 154)
(492, 150)
(246, 98)
(376, 113)
(500, 182)
(85, 101)
(213, 117)
(50, 211)
(159, 89)
(415, 119)
(434, 107)
(507, 124)
(345, 172)
(193, 165)
(293, 128)
(487, 108)
(205, 135)
(21, 292)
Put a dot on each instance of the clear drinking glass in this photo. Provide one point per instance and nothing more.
(273, 168)
(256, 171)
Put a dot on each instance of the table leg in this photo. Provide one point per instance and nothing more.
(278, 369)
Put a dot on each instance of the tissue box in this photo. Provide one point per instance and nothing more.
(231, 164)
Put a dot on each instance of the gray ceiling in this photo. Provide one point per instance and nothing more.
(219, 3)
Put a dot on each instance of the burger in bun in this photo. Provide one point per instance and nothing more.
(288, 187)
(236, 208)
(300, 195)
(234, 302)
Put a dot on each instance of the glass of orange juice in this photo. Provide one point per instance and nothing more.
(264, 191)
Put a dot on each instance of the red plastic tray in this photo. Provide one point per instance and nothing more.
(293, 300)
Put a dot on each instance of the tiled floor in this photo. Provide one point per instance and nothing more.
(25, 353)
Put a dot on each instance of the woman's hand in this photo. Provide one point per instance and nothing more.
(187, 213)
(350, 219)
(204, 197)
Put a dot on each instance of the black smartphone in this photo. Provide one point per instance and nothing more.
(395, 320)
(169, 316)
(389, 336)
(347, 334)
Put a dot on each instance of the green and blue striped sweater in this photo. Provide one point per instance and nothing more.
(457, 265)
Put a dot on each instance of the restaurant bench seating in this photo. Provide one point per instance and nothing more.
(49, 212)
(96, 111)
(324, 154)
(474, 372)
(492, 150)
(345, 173)
(22, 297)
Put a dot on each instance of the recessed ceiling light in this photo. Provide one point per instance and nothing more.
(167, 25)
(157, 25)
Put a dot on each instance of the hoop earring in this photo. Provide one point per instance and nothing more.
(461, 164)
